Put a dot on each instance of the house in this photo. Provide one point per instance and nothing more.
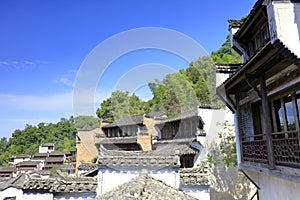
(117, 167)
(183, 126)
(263, 94)
(25, 166)
(47, 147)
(85, 145)
(51, 162)
(13, 160)
(40, 156)
(125, 126)
(12, 188)
(87, 169)
(122, 143)
(7, 171)
(144, 186)
(26, 187)
(71, 156)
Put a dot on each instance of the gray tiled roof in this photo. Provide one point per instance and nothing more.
(126, 121)
(137, 159)
(194, 176)
(183, 115)
(40, 155)
(7, 169)
(16, 182)
(28, 163)
(48, 144)
(61, 185)
(87, 166)
(117, 140)
(55, 185)
(57, 153)
(54, 159)
(235, 23)
(169, 157)
(144, 187)
(176, 141)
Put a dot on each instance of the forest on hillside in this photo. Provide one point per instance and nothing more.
(28, 140)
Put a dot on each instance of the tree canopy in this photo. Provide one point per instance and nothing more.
(27, 141)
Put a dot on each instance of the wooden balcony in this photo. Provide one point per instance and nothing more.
(285, 146)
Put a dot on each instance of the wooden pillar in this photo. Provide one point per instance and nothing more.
(267, 121)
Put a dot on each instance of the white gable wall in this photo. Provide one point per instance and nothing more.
(284, 24)
(12, 192)
(109, 179)
(214, 120)
(35, 196)
(75, 196)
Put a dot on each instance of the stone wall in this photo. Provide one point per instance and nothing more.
(145, 141)
(85, 145)
(149, 123)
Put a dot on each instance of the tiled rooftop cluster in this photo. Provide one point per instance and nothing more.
(53, 185)
(145, 187)
(194, 176)
(65, 185)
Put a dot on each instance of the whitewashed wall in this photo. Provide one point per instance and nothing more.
(109, 179)
(275, 188)
(284, 22)
(199, 192)
(213, 124)
(35, 196)
(75, 196)
(12, 192)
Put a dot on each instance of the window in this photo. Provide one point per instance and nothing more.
(286, 112)
(289, 114)
(257, 117)
(259, 39)
(278, 116)
(297, 97)
(10, 198)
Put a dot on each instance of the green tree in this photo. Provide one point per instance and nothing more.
(105, 110)
(121, 104)
(223, 172)
(27, 141)
(226, 55)
(86, 122)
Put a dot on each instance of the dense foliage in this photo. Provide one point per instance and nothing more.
(86, 123)
(121, 104)
(27, 141)
(226, 55)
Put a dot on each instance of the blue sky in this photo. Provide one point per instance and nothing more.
(44, 43)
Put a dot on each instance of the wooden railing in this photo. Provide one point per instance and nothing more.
(254, 149)
(285, 146)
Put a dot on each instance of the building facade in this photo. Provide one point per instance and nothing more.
(264, 94)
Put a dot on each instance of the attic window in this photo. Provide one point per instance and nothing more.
(10, 198)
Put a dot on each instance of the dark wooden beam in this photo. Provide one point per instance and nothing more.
(267, 122)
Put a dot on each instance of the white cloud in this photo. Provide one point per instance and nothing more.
(55, 102)
(67, 78)
(23, 64)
